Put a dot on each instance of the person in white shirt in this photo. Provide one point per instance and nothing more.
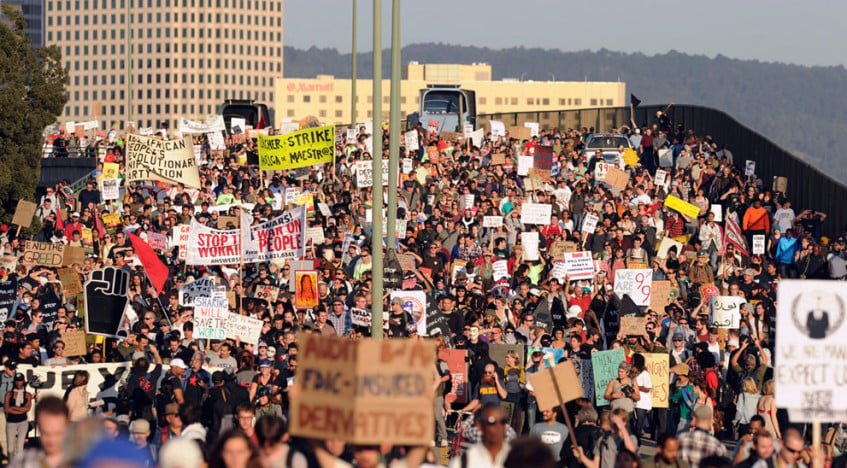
(711, 239)
(784, 216)
(492, 449)
(644, 404)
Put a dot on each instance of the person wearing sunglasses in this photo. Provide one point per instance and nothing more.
(492, 448)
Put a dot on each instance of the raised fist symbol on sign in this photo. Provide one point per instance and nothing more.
(105, 300)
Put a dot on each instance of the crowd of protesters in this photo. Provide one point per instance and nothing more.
(185, 401)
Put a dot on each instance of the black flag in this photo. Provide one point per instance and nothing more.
(634, 100)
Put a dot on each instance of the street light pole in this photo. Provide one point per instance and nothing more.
(376, 237)
(129, 59)
(353, 75)
(394, 126)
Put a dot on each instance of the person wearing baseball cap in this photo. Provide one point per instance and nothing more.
(174, 379)
(684, 396)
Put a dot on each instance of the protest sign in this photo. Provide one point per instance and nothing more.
(210, 317)
(758, 244)
(216, 141)
(365, 176)
(492, 221)
(718, 212)
(665, 246)
(615, 177)
(410, 140)
(305, 289)
(536, 213)
(301, 148)
(585, 372)
(589, 223)
(559, 271)
(296, 265)
(636, 283)
(157, 241)
(498, 159)
(201, 287)
(111, 170)
(500, 269)
(51, 255)
(364, 318)
(213, 123)
(451, 136)
(749, 168)
(657, 364)
(497, 352)
(685, 208)
(633, 326)
(415, 304)
(105, 300)
(524, 165)
(600, 171)
(170, 161)
(665, 157)
(550, 355)
(74, 342)
(661, 178)
(316, 235)
(533, 128)
(267, 292)
(530, 242)
(225, 221)
(8, 295)
(280, 238)
(207, 246)
(660, 295)
(247, 329)
(111, 221)
(456, 360)
(477, 137)
(630, 157)
(111, 189)
(810, 350)
(87, 239)
(780, 184)
(24, 212)
(498, 129)
(520, 133)
(181, 234)
(725, 311)
(408, 165)
(71, 284)
(605, 366)
(365, 392)
(554, 386)
(579, 265)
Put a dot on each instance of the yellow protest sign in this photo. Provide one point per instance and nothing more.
(111, 170)
(302, 148)
(630, 157)
(678, 204)
(658, 367)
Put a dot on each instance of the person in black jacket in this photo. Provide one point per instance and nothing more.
(219, 408)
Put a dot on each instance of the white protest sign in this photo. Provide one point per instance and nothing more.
(316, 235)
(589, 223)
(170, 161)
(210, 316)
(666, 245)
(408, 165)
(364, 173)
(324, 209)
(600, 170)
(414, 302)
(492, 221)
(579, 265)
(207, 246)
(237, 125)
(749, 168)
(468, 201)
(248, 329)
(216, 141)
(718, 211)
(530, 245)
(181, 233)
(477, 137)
(214, 123)
(637, 283)
(536, 213)
(201, 287)
(276, 239)
(498, 129)
(661, 177)
(364, 318)
(500, 269)
(559, 271)
(533, 128)
(111, 189)
(352, 135)
(758, 244)
(725, 311)
(524, 164)
(410, 140)
(811, 348)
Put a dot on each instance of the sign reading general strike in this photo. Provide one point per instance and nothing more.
(302, 148)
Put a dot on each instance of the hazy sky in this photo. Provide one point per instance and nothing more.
(811, 32)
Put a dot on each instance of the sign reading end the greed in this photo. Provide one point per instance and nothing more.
(365, 392)
(302, 148)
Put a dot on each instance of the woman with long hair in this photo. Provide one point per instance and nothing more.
(234, 450)
(76, 396)
(622, 392)
(766, 407)
(514, 376)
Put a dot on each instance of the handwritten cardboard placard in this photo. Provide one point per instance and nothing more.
(617, 178)
(71, 284)
(407, 262)
(451, 136)
(365, 392)
(520, 133)
(660, 296)
(74, 342)
(498, 159)
(247, 329)
(225, 221)
(633, 326)
(657, 364)
(568, 384)
(52, 255)
(24, 213)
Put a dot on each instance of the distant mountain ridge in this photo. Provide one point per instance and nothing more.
(803, 109)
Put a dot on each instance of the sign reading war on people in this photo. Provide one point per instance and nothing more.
(811, 350)
(302, 148)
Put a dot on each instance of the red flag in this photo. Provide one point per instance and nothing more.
(60, 225)
(157, 272)
(733, 234)
(99, 222)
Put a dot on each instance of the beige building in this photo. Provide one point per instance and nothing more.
(329, 98)
(187, 56)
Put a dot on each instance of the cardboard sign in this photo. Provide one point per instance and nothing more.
(365, 392)
(636, 283)
(267, 292)
(170, 161)
(725, 311)
(633, 326)
(407, 262)
(52, 255)
(605, 366)
(302, 148)
(498, 159)
(536, 213)
(247, 329)
(71, 284)
(497, 352)
(74, 343)
(201, 287)
(24, 213)
(579, 265)
(660, 295)
(809, 355)
(210, 318)
(780, 184)
(617, 178)
(758, 244)
(520, 133)
(556, 385)
(225, 221)
(682, 206)
(657, 364)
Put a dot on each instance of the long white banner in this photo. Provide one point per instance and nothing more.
(207, 246)
(214, 123)
(278, 238)
(171, 161)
